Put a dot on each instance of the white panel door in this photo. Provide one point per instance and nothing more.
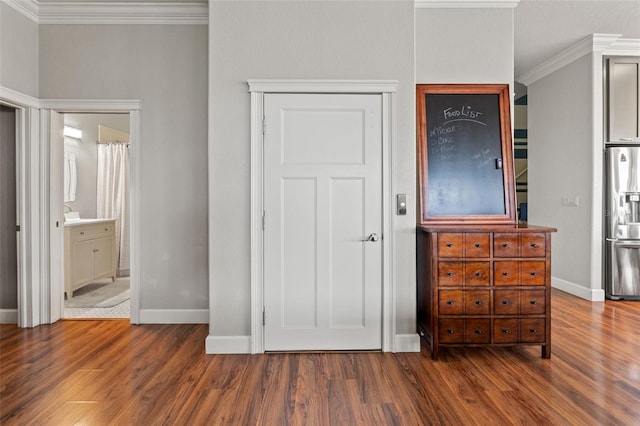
(323, 200)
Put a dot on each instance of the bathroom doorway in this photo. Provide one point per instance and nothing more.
(96, 216)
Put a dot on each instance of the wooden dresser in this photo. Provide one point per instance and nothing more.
(481, 285)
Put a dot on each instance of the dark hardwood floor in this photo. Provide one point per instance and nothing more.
(109, 372)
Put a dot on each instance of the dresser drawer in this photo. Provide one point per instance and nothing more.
(450, 302)
(477, 245)
(506, 245)
(506, 273)
(532, 302)
(533, 273)
(505, 330)
(477, 274)
(450, 273)
(477, 331)
(477, 302)
(532, 245)
(506, 302)
(465, 331)
(532, 330)
(451, 331)
(514, 330)
(450, 244)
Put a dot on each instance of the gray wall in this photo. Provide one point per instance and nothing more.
(8, 247)
(164, 66)
(19, 47)
(306, 40)
(561, 164)
(464, 46)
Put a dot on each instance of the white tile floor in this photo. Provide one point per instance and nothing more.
(122, 310)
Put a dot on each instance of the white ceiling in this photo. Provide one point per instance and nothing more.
(543, 28)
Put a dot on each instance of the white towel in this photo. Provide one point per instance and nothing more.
(70, 177)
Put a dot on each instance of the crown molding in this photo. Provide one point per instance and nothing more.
(28, 8)
(609, 44)
(19, 99)
(465, 4)
(112, 12)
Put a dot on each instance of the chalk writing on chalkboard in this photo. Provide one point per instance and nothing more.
(465, 156)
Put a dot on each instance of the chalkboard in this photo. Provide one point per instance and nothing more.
(466, 163)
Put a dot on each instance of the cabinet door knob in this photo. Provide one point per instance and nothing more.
(81, 232)
(451, 302)
(478, 274)
(450, 331)
(534, 274)
(534, 245)
(450, 274)
(477, 331)
(506, 274)
(505, 245)
(478, 302)
(506, 330)
(478, 245)
(533, 330)
(505, 302)
(534, 302)
(449, 244)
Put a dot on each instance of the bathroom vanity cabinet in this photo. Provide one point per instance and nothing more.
(89, 252)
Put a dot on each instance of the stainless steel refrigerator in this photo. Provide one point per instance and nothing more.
(622, 214)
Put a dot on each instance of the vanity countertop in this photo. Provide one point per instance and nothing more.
(77, 222)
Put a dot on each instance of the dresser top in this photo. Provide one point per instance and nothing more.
(520, 227)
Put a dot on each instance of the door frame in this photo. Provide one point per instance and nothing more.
(258, 88)
(97, 106)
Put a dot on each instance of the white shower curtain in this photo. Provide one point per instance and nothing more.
(113, 195)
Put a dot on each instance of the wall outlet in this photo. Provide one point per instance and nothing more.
(571, 201)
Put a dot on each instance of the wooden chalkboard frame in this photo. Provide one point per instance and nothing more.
(508, 216)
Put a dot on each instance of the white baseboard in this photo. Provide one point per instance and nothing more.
(8, 316)
(174, 316)
(406, 343)
(228, 345)
(594, 295)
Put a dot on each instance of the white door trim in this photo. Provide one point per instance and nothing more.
(29, 218)
(132, 107)
(258, 88)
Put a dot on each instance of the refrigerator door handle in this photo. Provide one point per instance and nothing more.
(613, 240)
(628, 244)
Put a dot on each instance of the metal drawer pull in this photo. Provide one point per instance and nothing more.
(451, 302)
(106, 229)
(478, 245)
(478, 274)
(450, 331)
(534, 245)
(505, 245)
(449, 244)
(450, 274)
(505, 302)
(506, 330)
(506, 274)
(478, 302)
(534, 274)
(533, 330)
(534, 302)
(477, 331)
(82, 233)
